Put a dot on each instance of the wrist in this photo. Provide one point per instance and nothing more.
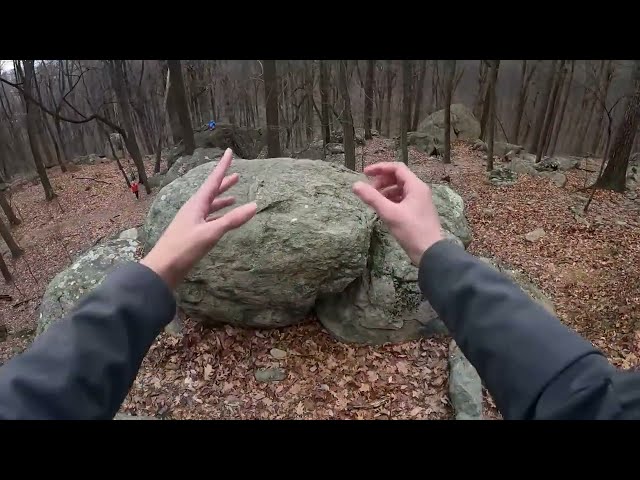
(162, 267)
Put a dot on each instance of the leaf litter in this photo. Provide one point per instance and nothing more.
(583, 266)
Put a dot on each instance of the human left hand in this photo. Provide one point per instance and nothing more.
(193, 231)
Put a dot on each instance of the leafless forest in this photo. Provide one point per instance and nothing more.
(74, 134)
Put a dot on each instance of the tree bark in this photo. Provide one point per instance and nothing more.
(271, 106)
(567, 93)
(32, 130)
(604, 92)
(8, 211)
(615, 174)
(404, 124)
(544, 133)
(542, 110)
(525, 81)
(493, 80)
(15, 250)
(182, 109)
(347, 119)
(117, 72)
(451, 72)
(579, 146)
(389, 94)
(419, 93)
(5, 270)
(309, 123)
(324, 99)
(368, 99)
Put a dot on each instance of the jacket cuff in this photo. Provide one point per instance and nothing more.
(159, 300)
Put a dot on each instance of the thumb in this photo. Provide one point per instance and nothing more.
(232, 220)
(376, 200)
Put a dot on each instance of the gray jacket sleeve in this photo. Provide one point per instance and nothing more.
(533, 366)
(83, 366)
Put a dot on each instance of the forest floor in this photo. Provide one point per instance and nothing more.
(588, 271)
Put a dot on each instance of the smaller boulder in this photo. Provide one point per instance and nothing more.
(500, 149)
(535, 235)
(334, 148)
(267, 375)
(522, 166)
(502, 177)
(480, 146)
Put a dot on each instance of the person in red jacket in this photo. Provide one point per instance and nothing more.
(134, 189)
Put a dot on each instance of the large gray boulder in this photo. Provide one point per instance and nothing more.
(385, 304)
(309, 239)
(431, 143)
(84, 274)
(464, 124)
(245, 142)
(500, 149)
(186, 163)
(450, 207)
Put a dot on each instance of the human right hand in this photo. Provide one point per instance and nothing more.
(404, 203)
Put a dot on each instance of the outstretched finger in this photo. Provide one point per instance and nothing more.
(376, 200)
(211, 186)
(233, 219)
(395, 193)
(228, 182)
(220, 203)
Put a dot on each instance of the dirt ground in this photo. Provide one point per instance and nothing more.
(589, 271)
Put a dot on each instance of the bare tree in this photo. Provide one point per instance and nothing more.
(525, 81)
(604, 92)
(558, 126)
(493, 80)
(116, 68)
(180, 102)
(324, 100)
(15, 250)
(406, 106)
(8, 211)
(5, 270)
(615, 173)
(390, 81)
(451, 73)
(33, 130)
(548, 121)
(271, 107)
(541, 112)
(368, 99)
(583, 129)
(347, 119)
(418, 98)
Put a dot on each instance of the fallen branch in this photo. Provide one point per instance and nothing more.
(94, 179)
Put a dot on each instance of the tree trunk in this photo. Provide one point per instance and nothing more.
(567, 93)
(451, 72)
(117, 72)
(182, 109)
(32, 130)
(174, 120)
(418, 99)
(615, 174)
(309, 123)
(579, 146)
(271, 106)
(8, 211)
(525, 80)
(542, 110)
(5, 270)
(389, 94)
(368, 99)
(544, 133)
(604, 92)
(486, 110)
(324, 100)
(493, 80)
(15, 250)
(404, 124)
(347, 119)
